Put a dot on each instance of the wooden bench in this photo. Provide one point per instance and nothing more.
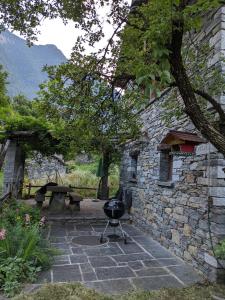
(75, 200)
(40, 194)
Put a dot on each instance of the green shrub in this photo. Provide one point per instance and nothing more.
(15, 212)
(23, 250)
(220, 250)
(26, 243)
(13, 272)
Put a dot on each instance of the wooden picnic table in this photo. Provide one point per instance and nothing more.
(59, 193)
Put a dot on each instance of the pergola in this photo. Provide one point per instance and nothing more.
(15, 161)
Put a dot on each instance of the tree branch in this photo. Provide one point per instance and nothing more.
(186, 90)
(214, 103)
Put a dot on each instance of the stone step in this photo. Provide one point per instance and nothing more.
(83, 220)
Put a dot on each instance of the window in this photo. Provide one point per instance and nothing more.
(133, 165)
(166, 166)
(134, 160)
(175, 143)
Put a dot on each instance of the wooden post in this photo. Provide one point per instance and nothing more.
(29, 190)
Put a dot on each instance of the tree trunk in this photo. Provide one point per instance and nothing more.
(104, 188)
(192, 108)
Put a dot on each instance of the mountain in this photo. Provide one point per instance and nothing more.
(24, 64)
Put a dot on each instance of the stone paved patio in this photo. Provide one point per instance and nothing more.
(114, 267)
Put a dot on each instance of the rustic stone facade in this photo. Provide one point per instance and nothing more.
(186, 214)
(40, 167)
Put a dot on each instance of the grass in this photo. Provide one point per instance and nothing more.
(84, 175)
(79, 292)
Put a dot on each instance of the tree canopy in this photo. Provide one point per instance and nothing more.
(157, 45)
(87, 107)
(90, 113)
(18, 114)
(26, 15)
(153, 44)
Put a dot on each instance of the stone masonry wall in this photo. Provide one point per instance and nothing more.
(190, 217)
(44, 167)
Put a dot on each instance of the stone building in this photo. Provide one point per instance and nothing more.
(179, 199)
(41, 167)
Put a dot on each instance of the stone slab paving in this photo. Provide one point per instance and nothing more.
(115, 267)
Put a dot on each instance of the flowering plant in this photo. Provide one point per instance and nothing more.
(23, 249)
(27, 219)
(42, 221)
(17, 212)
(2, 234)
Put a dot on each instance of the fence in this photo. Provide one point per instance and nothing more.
(4, 197)
(30, 186)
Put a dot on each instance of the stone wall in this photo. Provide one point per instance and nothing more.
(40, 167)
(188, 217)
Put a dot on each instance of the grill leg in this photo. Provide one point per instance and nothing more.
(102, 235)
(123, 233)
(114, 230)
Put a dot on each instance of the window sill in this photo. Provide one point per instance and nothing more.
(168, 184)
(132, 180)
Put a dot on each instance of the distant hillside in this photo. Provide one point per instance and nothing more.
(24, 64)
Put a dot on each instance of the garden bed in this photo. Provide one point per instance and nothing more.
(24, 251)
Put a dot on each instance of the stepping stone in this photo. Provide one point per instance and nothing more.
(98, 228)
(186, 273)
(79, 233)
(114, 272)
(58, 239)
(159, 252)
(111, 250)
(132, 231)
(151, 263)
(131, 247)
(83, 227)
(155, 283)
(61, 260)
(117, 286)
(86, 268)
(63, 249)
(69, 226)
(132, 257)
(146, 241)
(102, 261)
(93, 252)
(135, 265)
(44, 277)
(60, 245)
(91, 276)
(66, 273)
(77, 250)
(170, 261)
(78, 259)
(152, 272)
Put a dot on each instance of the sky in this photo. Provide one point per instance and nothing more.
(64, 36)
(55, 32)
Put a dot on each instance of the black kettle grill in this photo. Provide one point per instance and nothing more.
(114, 210)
